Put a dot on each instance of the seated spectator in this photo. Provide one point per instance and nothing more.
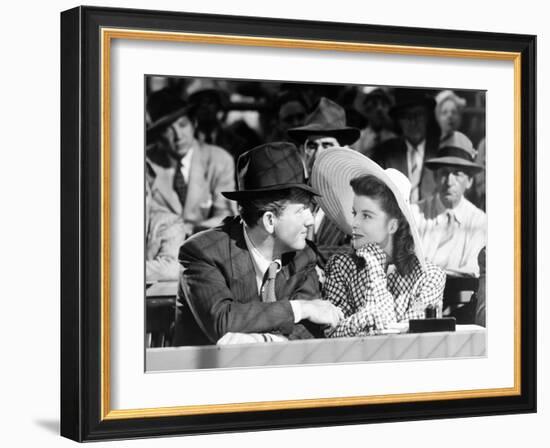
(448, 112)
(386, 280)
(452, 229)
(480, 302)
(375, 104)
(290, 112)
(164, 234)
(188, 176)
(208, 104)
(325, 128)
(413, 112)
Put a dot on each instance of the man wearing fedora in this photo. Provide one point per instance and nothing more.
(253, 278)
(188, 176)
(412, 112)
(452, 229)
(324, 128)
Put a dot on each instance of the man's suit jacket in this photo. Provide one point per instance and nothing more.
(218, 292)
(393, 154)
(212, 171)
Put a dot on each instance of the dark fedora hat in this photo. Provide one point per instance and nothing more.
(456, 150)
(269, 167)
(164, 107)
(407, 98)
(327, 119)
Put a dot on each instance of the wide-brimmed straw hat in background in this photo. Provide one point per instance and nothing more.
(332, 172)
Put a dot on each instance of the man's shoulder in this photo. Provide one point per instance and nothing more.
(425, 208)
(394, 147)
(392, 144)
(215, 153)
(474, 214)
(472, 207)
(210, 241)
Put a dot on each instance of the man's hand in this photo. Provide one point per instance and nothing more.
(243, 338)
(321, 312)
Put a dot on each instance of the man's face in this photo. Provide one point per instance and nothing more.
(291, 115)
(314, 145)
(377, 110)
(413, 122)
(448, 117)
(370, 223)
(291, 226)
(178, 138)
(207, 110)
(452, 183)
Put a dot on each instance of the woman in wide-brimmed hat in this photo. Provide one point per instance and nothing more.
(386, 279)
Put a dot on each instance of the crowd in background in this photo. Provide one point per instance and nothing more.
(424, 133)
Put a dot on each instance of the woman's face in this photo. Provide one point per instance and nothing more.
(371, 224)
(448, 117)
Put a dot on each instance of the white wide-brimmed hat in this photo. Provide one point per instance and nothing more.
(331, 175)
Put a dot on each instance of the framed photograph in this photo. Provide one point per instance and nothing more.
(277, 224)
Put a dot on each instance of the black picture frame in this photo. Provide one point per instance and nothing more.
(82, 398)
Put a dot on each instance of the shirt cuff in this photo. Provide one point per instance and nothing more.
(297, 310)
(275, 337)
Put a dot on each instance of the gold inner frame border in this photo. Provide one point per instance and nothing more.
(107, 35)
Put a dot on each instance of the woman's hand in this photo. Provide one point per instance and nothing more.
(374, 256)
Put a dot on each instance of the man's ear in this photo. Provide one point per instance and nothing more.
(268, 221)
(470, 182)
(393, 225)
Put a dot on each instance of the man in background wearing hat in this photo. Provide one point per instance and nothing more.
(188, 176)
(412, 112)
(324, 128)
(208, 106)
(452, 229)
(253, 279)
(374, 103)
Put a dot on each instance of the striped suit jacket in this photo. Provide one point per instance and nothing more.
(218, 292)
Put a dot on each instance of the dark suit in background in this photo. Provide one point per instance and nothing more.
(393, 154)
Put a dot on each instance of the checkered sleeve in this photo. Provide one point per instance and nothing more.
(429, 291)
(367, 304)
(338, 272)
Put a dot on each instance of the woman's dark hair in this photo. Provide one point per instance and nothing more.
(404, 256)
(252, 209)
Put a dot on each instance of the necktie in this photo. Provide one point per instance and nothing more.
(416, 163)
(268, 290)
(180, 186)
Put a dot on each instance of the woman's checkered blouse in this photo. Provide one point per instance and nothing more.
(371, 298)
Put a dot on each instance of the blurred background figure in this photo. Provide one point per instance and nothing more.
(187, 175)
(419, 140)
(164, 234)
(324, 128)
(374, 103)
(290, 111)
(452, 229)
(448, 112)
(209, 102)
